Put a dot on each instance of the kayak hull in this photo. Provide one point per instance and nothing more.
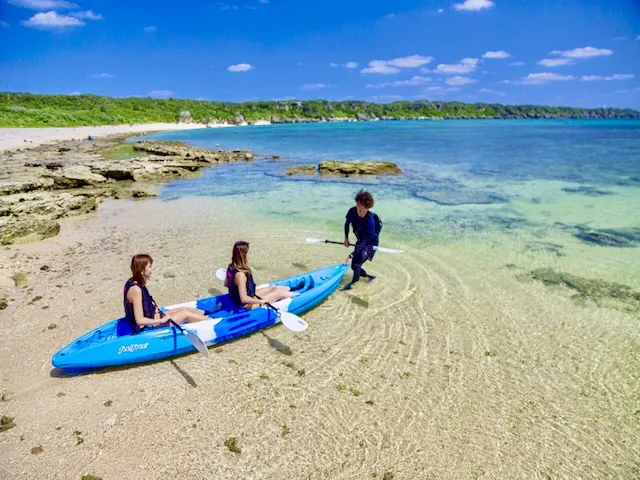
(114, 344)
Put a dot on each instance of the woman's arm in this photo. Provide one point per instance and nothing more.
(134, 295)
(241, 282)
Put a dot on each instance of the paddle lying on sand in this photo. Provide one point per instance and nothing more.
(193, 338)
(288, 319)
(379, 249)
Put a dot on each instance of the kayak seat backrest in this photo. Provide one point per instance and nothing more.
(219, 307)
(123, 328)
(303, 285)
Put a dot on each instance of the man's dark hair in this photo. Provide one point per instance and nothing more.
(365, 199)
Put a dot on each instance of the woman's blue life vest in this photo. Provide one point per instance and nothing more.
(234, 292)
(148, 305)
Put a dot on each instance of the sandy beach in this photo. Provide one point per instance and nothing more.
(13, 138)
(443, 368)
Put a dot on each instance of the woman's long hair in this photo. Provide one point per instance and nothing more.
(239, 257)
(138, 263)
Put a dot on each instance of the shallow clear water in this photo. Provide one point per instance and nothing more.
(565, 192)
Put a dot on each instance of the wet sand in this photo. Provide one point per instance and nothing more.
(444, 367)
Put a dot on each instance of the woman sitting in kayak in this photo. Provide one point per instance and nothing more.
(242, 288)
(140, 309)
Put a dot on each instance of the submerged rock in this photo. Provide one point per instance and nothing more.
(460, 197)
(337, 167)
(586, 288)
(621, 238)
(302, 170)
(588, 190)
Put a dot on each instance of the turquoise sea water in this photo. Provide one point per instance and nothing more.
(546, 193)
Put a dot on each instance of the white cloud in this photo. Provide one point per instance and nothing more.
(103, 75)
(541, 78)
(51, 20)
(474, 5)
(379, 66)
(584, 52)
(621, 76)
(86, 15)
(394, 65)
(617, 76)
(263, 1)
(517, 64)
(43, 4)
(412, 82)
(440, 10)
(314, 86)
(150, 29)
(412, 61)
(160, 93)
(492, 92)
(496, 54)
(351, 65)
(389, 16)
(334, 65)
(457, 81)
(240, 67)
(638, 37)
(555, 62)
(466, 65)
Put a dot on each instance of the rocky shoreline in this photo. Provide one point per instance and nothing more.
(40, 185)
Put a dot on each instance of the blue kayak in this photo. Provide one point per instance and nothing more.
(114, 343)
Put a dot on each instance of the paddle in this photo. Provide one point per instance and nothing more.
(288, 319)
(379, 249)
(193, 338)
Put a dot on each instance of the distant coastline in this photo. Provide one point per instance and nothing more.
(30, 110)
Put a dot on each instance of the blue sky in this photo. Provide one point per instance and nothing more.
(555, 52)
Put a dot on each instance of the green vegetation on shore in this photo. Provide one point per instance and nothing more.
(30, 110)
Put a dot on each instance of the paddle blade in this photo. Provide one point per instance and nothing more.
(315, 240)
(293, 322)
(387, 250)
(197, 342)
(221, 274)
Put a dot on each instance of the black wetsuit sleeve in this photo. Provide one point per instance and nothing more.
(347, 223)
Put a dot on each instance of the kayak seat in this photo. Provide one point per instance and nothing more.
(303, 285)
(123, 328)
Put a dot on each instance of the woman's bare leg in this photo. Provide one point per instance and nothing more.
(182, 315)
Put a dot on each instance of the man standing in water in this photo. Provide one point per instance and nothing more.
(366, 227)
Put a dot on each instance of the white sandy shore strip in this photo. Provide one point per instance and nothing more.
(12, 138)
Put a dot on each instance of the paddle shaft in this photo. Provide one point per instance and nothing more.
(268, 305)
(176, 325)
(350, 244)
